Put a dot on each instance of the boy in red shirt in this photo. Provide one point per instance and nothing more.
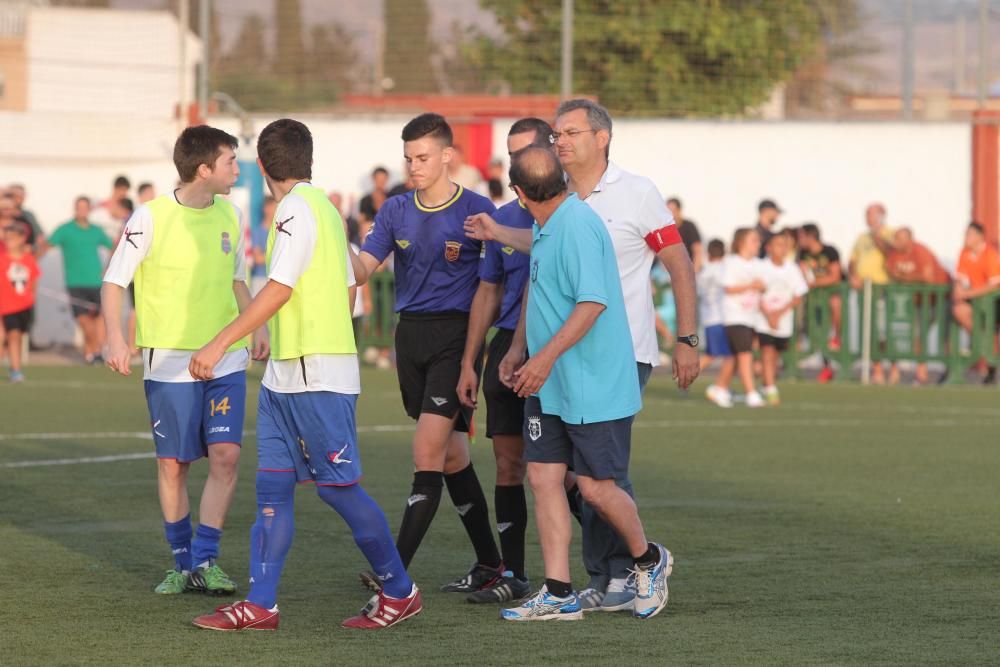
(18, 275)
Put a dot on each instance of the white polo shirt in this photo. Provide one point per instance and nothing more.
(640, 225)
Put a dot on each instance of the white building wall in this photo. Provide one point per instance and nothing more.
(99, 60)
(824, 172)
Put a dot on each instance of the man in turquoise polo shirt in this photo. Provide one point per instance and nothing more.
(582, 389)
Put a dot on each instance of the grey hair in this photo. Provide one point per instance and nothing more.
(597, 116)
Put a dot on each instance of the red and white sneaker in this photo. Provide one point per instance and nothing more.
(242, 615)
(386, 611)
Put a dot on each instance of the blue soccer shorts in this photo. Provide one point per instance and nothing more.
(310, 433)
(187, 417)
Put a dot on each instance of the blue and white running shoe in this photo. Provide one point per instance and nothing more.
(545, 607)
(651, 585)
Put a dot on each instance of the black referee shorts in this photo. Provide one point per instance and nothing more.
(429, 348)
(504, 408)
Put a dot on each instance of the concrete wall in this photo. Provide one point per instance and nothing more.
(824, 172)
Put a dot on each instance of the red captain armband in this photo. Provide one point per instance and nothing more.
(663, 238)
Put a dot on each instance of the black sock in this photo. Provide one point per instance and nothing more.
(467, 494)
(649, 559)
(420, 509)
(558, 588)
(512, 520)
(573, 496)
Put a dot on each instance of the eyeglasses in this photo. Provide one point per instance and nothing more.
(570, 134)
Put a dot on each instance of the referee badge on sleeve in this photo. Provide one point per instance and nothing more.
(452, 249)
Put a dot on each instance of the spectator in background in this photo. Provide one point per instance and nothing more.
(80, 242)
(786, 288)
(372, 202)
(402, 187)
(497, 171)
(821, 266)
(8, 212)
(689, 232)
(18, 276)
(353, 230)
(146, 192)
(910, 262)
(495, 188)
(742, 286)
(19, 194)
(767, 220)
(978, 273)
(258, 246)
(459, 171)
(710, 295)
(868, 263)
(107, 215)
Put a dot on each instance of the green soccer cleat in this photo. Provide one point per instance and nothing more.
(174, 583)
(211, 580)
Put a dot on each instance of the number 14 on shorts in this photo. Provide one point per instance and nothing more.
(222, 407)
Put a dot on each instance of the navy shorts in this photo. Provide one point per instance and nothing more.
(504, 408)
(716, 343)
(187, 417)
(310, 433)
(599, 450)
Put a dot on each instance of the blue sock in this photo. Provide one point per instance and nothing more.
(205, 546)
(179, 537)
(271, 535)
(371, 533)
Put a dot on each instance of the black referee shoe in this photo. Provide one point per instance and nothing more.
(506, 589)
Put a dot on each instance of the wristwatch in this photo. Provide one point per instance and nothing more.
(691, 341)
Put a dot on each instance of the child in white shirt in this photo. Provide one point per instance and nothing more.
(785, 288)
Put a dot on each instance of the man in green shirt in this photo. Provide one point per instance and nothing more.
(79, 241)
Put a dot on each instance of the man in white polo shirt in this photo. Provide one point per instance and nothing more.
(641, 229)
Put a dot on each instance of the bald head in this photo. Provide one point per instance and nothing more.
(536, 172)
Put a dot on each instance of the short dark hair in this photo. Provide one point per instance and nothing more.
(145, 185)
(80, 199)
(542, 130)
(677, 202)
(810, 229)
(123, 182)
(199, 145)
(716, 248)
(379, 170)
(428, 125)
(537, 172)
(978, 227)
(127, 204)
(285, 148)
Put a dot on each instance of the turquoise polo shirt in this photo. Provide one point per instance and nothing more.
(573, 261)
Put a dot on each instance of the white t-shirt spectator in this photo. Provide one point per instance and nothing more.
(784, 283)
(740, 308)
(169, 365)
(359, 302)
(711, 294)
(633, 211)
(290, 257)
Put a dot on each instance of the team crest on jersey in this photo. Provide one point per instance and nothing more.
(534, 271)
(227, 246)
(403, 244)
(507, 250)
(452, 249)
(534, 428)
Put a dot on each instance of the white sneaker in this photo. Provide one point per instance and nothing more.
(755, 400)
(719, 396)
(545, 607)
(651, 585)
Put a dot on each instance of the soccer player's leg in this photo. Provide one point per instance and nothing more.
(600, 456)
(223, 409)
(173, 418)
(280, 464)
(504, 423)
(548, 451)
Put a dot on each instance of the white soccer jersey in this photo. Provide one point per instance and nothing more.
(711, 294)
(784, 283)
(636, 217)
(742, 307)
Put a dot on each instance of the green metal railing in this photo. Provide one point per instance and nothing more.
(379, 327)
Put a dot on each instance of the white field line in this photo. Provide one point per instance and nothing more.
(720, 423)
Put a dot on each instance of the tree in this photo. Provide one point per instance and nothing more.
(334, 57)
(678, 58)
(244, 70)
(408, 48)
(290, 52)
